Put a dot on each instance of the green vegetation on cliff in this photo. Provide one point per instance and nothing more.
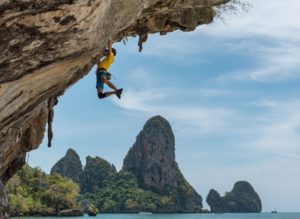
(33, 192)
(120, 193)
(95, 172)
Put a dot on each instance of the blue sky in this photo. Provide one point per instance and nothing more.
(230, 91)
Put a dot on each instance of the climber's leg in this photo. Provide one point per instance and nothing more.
(106, 94)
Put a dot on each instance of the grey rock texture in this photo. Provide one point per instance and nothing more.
(48, 45)
(3, 200)
(215, 201)
(241, 199)
(152, 157)
(69, 166)
(70, 213)
(91, 177)
(95, 172)
(152, 160)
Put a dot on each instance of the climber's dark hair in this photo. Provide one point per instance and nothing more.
(114, 51)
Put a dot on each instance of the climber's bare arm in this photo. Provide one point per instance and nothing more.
(109, 46)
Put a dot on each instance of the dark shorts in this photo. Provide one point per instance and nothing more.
(100, 74)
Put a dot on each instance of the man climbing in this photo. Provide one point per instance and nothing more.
(103, 76)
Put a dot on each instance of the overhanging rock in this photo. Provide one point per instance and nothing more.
(48, 45)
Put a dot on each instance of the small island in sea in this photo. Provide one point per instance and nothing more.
(242, 198)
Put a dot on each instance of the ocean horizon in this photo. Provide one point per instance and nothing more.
(264, 215)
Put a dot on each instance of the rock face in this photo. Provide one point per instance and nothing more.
(48, 45)
(217, 205)
(241, 199)
(91, 177)
(3, 199)
(95, 172)
(152, 160)
(69, 166)
(70, 213)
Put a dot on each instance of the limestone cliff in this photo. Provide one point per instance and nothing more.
(152, 160)
(90, 179)
(241, 199)
(96, 171)
(48, 45)
(150, 179)
(69, 166)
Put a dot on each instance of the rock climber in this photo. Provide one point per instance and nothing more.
(103, 76)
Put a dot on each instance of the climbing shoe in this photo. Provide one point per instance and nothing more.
(119, 93)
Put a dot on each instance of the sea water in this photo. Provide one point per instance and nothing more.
(182, 216)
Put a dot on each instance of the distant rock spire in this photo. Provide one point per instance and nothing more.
(152, 160)
(69, 166)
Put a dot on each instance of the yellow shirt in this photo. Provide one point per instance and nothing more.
(106, 62)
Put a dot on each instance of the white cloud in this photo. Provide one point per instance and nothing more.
(143, 76)
(176, 50)
(150, 98)
(269, 32)
(275, 64)
(272, 19)
(273, 128)
(211, 92)
(278, 130)
(281, 63)
(274, 25)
